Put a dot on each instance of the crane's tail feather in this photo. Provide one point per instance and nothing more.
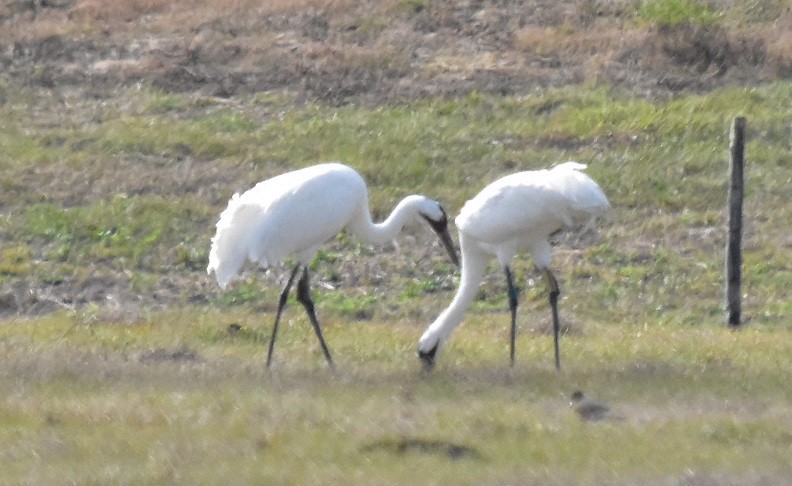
(582, 189)
(234, 241)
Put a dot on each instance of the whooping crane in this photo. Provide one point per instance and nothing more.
(516, 213)
(293, 214)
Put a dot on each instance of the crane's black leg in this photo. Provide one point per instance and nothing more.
(513, 307)
(552, 285)
(281, 304)
(304, 296)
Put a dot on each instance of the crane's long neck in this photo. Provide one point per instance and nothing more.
(378, 233)
(474, 263)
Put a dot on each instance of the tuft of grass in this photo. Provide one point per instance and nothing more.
(15, 261)
(360, 307)
(676, 12)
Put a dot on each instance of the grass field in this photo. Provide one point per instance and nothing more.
(178, 399)
(121, 361)
(126, 393)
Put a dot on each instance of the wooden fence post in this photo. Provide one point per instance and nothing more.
(734, 244)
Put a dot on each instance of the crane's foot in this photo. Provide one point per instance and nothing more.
(428, 358)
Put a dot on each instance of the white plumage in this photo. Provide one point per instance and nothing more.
(293, 214)
(516, 213)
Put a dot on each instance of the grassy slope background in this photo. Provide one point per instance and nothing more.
(118, 359)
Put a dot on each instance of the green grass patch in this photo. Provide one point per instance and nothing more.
(358, 307)
(15, 261)
(675, 12)
(127, 230)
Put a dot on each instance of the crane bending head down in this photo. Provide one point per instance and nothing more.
(516, 213)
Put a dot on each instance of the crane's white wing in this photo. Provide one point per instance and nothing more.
(533, 204)
(288, 215)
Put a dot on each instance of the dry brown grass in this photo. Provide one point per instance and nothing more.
(87, 16)
(778, 40)
(114, 11)
(576, 41)
(360, 50)
(125, 11)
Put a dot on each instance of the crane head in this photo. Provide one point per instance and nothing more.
(440, 226)
(428, 357)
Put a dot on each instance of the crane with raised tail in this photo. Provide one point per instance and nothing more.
(293, 214)
(514, 214)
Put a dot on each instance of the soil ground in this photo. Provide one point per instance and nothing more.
(381, 52)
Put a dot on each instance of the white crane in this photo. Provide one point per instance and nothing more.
(516, 213)
(293, 214)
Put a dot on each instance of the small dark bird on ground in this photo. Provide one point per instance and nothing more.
(591, 410)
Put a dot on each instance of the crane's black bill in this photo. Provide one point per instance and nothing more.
(428, 358)
(441, 228)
